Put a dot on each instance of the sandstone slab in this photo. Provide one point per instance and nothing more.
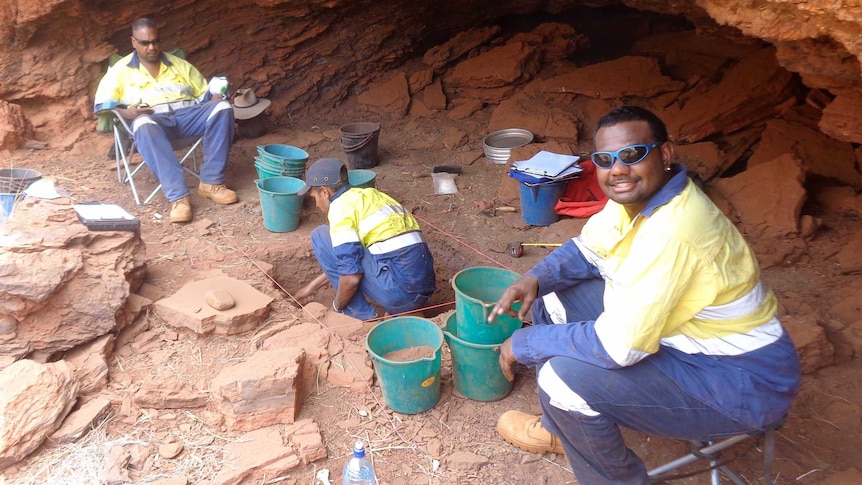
(188, 308)
(36, 398)
(767, 211)
(255, 455)
(82, 420)
(626, 76)
(262, 391)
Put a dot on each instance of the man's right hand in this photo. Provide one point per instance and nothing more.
(525, 290)
(135, 110)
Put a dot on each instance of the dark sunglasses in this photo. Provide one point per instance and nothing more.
(147, 43)
(629, 155)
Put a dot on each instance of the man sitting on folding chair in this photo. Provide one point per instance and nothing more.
(654, 318)
(166, 98)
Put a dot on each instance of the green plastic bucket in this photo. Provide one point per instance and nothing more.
(280, 203)
(477, 289)
(409, 387)
(476, 367)
(362, 178)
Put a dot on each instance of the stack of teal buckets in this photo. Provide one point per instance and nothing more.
(277, 160)
(473, 342)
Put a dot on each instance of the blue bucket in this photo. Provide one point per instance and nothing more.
(7, 203)
(280, 202)
(538, 202)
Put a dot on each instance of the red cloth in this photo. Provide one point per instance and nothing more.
(583, 196)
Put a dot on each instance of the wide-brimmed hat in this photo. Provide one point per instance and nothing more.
(246, 105)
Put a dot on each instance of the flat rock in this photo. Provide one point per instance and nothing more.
(262, 391)
(391, 97)
(82, 420)
(255, 455)
(625, 76)
(35, 400)
(188, 308)
(767, 210)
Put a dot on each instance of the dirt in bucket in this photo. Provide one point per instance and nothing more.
(411, 353)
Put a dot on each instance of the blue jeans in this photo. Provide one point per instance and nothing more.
(379, 282)
(153, 135)
(639, 397)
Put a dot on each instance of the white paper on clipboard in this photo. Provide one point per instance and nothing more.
(549, 164)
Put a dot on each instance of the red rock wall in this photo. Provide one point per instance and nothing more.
(311, 53)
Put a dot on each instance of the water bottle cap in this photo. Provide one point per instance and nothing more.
(359, 449)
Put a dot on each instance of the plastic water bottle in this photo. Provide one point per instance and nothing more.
(359, 470)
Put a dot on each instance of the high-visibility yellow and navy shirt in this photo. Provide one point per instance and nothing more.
(128, 82)
(679, 278)
(367, 221)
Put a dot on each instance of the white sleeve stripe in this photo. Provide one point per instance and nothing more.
(562, 397)
(730, 345)
(379, 217)
(620, 353)
(343, 237)
(555, 308)
(740, 307)
(591, 256)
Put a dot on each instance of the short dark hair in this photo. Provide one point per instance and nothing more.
(634, 113)
(143, 23)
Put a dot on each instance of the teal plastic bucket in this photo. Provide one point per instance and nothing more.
(266, 169)
(476, 367)
(283, 153)
(409, 387)
(538, 202)
(362, 178)
(280, 203)
(477, 289)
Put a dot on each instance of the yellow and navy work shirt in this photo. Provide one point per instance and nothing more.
(128, 82)
(362, 218)
(679, 278)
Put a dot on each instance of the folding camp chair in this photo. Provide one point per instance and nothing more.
(125, 148)
(711, 451)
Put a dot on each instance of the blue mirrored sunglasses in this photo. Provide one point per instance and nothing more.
(629, 155)
(147, 43)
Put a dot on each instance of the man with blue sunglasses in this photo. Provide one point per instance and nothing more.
(653, 318)
(166, 98)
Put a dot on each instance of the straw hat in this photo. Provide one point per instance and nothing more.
(246, 105)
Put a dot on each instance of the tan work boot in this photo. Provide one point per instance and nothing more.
(527, 433)
(181, 210)
(217, 193)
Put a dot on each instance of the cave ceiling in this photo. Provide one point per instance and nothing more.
(304, 54)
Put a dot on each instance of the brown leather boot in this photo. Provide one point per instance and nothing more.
(181, 210)
(217, 193)
(527, 433)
